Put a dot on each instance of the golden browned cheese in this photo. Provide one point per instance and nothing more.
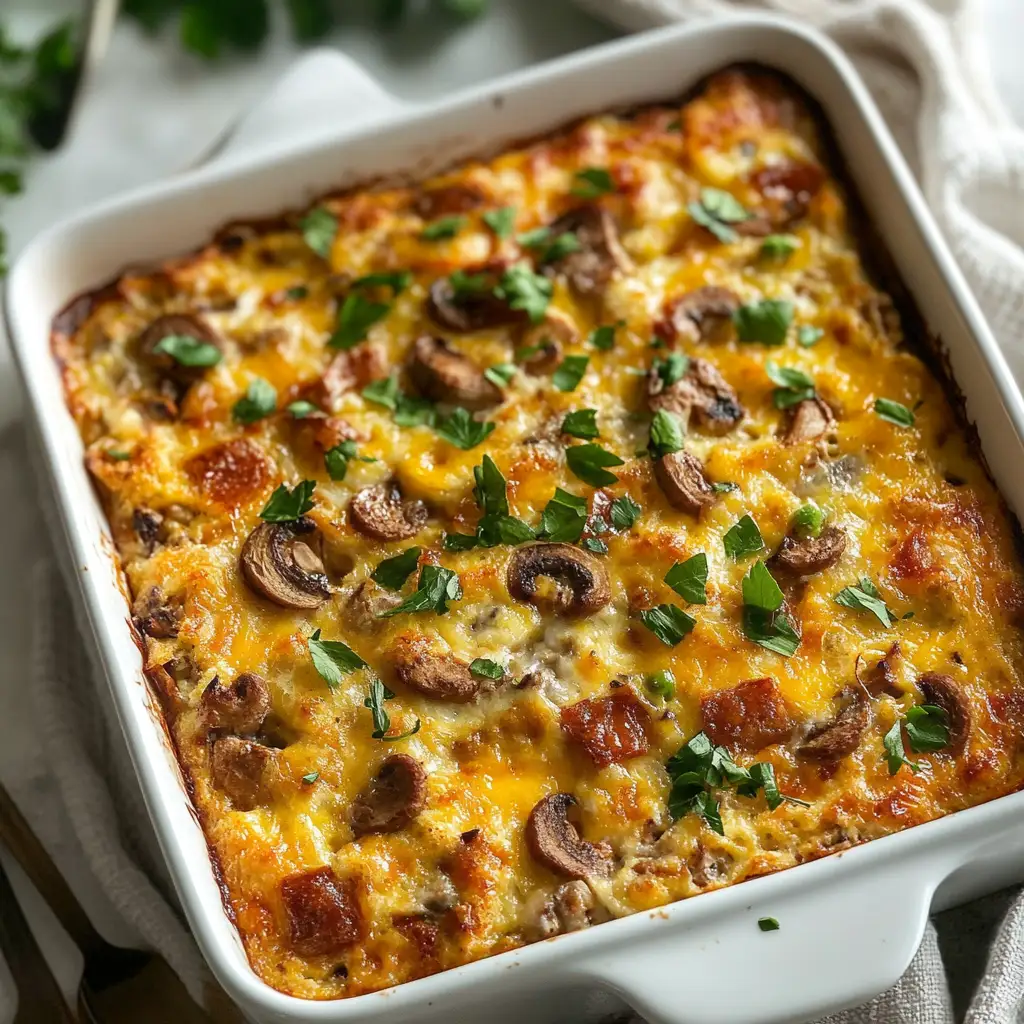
(337, 891)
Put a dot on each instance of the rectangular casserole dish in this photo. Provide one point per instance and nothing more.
(852, 921)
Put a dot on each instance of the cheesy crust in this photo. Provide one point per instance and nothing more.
(525, 784)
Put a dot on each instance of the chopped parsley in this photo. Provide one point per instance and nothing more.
(768, 924)
(397, 281)
(460, 429)
(717, 211)
(356, 316)
(589, 462)
(927, 728)
(319, 227)
(668, 623)
(624, 512)
(501, 374)
(592, 182)
(393, 572)
(894, 412)
(336, 459)
(570, 372)
(286, 505)
(581, 423)
(766, 321)
(550, 249)
(381, 719)
(301, 409)
(501, 221)
(689, 579)
(384, 392)
(564, 517)
(742, 538)
(667, 434)
(189, 351)
(806, 335)
(724, 487)
(259, 400)
(490, 490)
(794, 386)
(435, 588)
(332, 659)
(496, 526)
(603, 337)
(523, 289)
(443, 227)
(764, 621)
(894, 753)
(408, 410)
(779, 247)
(662, 684)
(865, 597)
(672, 368)
(596, 545)
(310, 778)
(486, 669)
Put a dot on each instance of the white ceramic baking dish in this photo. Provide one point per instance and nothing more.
(850, 923)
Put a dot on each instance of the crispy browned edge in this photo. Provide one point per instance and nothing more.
(874, 254)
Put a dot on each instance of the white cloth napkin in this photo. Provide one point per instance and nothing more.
(924, 64)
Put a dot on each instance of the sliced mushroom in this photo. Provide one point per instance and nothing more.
(583, 580)
(681, 478)
(705, 314)
(555, 842)
(147, 525)
(380, 512)
(805, 556)
(239, 708)
(237, 767)
(706, 867)
(156, 615)
(395, 795)
(473, 310)
(599, 256)
(788, 189)
(810, 419)
(945, 692)
(702, 391)
(544, 342)
(840, 736)
(444, 200)
(437, 676)
(367, 603)
(175, 324)
(279, 564)
(444, 375)
(882, 677)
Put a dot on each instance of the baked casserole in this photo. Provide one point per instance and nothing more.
(568, 534)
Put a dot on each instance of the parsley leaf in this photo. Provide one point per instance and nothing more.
(581, 423)
(570, 372)
(793, 385)
(927, 728)
(564, 517)
(764, 622)
(550, 250)
(260, 400)
(716, 211)
(397, 281)
(486, 669)
(435, 588)
(301, 409)
(742, 538)
(443, 227)
(689, 579)
(336, 459)
(189, 351)
(461, 430)
(760, 589)
(895, 755)
(333, 659)
(779, 247)
(493, 530)
(522, 289)
(806, 336)
(310, 778)
(414, 412)
(501, 374)
(381, 719)
(894, 412)
(592, 182)
(662, 683)
(287, 505)
(807, 521)
(596, 545)
(490, 491)
(383, 392)
(393, 572)
(768, 924)
(865, 597)
(668, 623)
(766, 321)
(587, 461)
(667, 435)
(724, 487)
(501, 221)
(672, 368)
(624, 512)
(356, 316)
(603, 337)
(319, 227)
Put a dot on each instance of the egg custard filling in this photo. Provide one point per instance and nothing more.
(568, 534)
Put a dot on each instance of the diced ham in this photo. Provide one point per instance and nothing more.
(609, 728)
(746, 717)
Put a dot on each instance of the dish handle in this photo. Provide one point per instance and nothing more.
(838, 943)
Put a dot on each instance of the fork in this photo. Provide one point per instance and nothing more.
(118, 986)
(31, 974)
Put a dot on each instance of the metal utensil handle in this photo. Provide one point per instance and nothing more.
(39, 997)
(28, 851)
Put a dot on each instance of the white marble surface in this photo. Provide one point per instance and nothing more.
(153, 110)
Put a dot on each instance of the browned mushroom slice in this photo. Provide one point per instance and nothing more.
(240, 707)
(437, 676)
(554, 841)
(681, 478)
(445, 200)
(542, 345)
(474, 309)
(706, 867)
(156, 615)
(703, 314)
(444, 375)
(840, 736)
(279, 564)
(323, 912)
(395, 795)
(175, 324)
(702, 391)
(237, 768)
(380, 512)
(599, 256)
(583, 586)
(809, 420)
(147, 525)
(367, 603)
(788, 189)
(945, 692)
(805, 556)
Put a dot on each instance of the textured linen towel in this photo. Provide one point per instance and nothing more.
(923, 64)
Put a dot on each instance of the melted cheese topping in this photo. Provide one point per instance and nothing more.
(184, 484)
